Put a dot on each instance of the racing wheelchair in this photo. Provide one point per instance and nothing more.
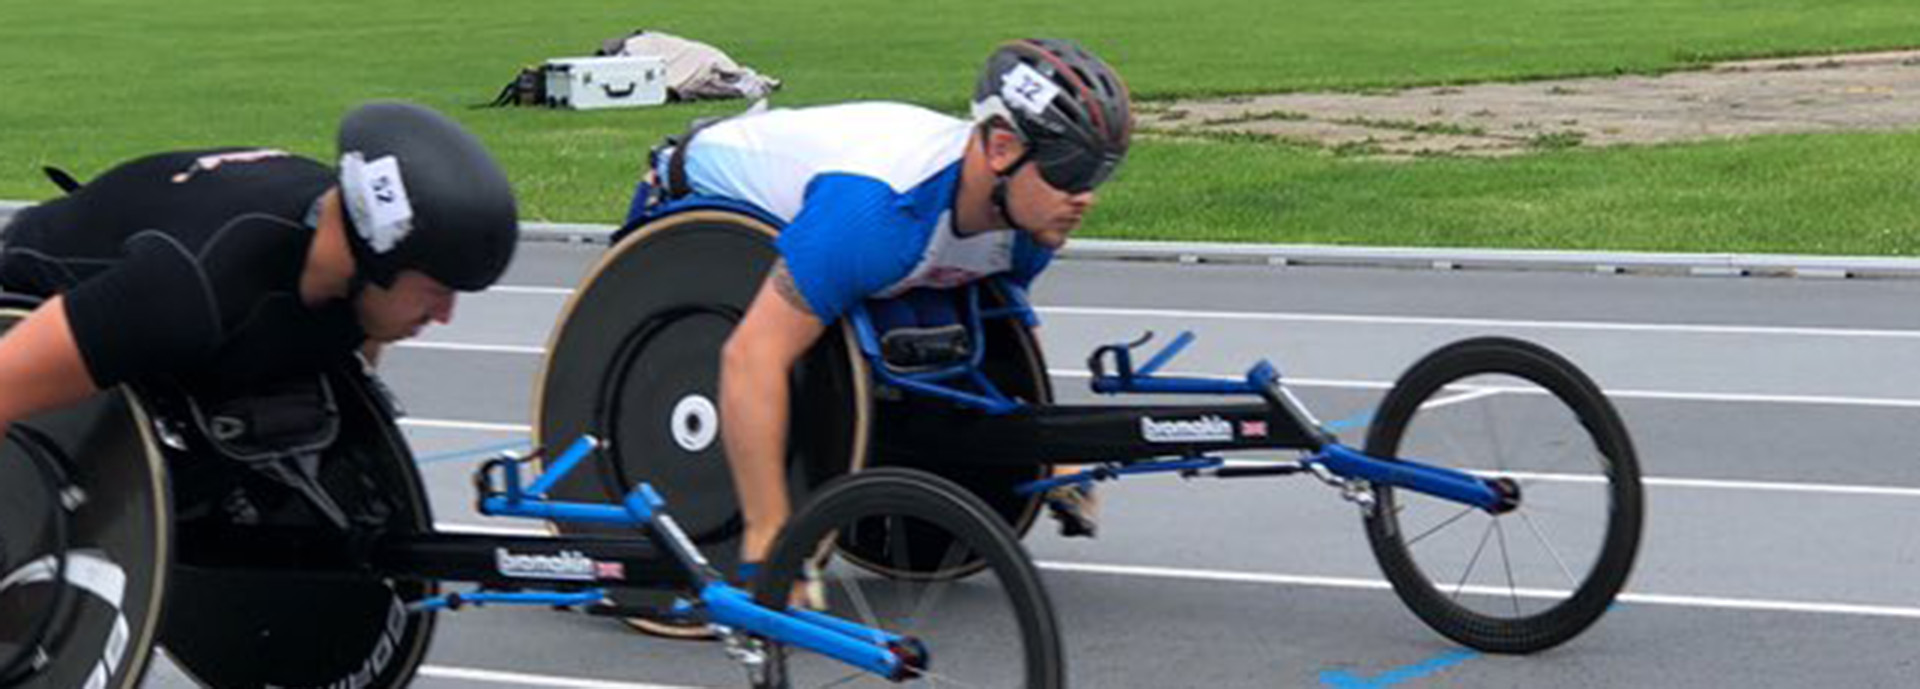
(1498, 487)
(281, 536)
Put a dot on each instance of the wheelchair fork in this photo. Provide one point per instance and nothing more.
(1356, 491)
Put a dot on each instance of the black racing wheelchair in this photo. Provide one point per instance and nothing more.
(1498, 487)
(281, 537)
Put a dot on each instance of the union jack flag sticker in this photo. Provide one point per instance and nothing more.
(1253, 429)
(610, 570)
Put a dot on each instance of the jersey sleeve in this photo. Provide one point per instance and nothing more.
(853, 237)
(153, 312)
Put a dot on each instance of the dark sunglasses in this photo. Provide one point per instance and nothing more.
(1073, 169)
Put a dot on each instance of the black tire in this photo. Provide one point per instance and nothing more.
(1003, 609)
(1527, 606)
(634, 361)
(119, 542)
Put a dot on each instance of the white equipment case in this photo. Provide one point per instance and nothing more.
(588, 83)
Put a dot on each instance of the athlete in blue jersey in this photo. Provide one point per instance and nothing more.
(880, 198)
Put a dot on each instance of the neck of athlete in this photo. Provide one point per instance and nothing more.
(328, 274)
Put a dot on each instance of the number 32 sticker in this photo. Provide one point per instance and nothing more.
(1025, 88)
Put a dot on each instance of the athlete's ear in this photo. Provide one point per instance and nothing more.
(1004, 148)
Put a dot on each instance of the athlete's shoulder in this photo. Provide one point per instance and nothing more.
(183, 166)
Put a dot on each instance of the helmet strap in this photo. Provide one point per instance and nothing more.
(365, 260)
(999, 194)
(357, 281)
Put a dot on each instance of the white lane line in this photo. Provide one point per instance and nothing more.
(1893, 402)
(1716, 484)
(490, 529)
(1462, 397)
(471, 347)
(1284, 317)
(524, 679)
(1296, 317)
(1376, 584)
(1756, 398)
(412, 422)
(531, 289)
(1657, 482)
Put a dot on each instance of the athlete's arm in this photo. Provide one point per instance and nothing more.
(40, 365)
(755, 368)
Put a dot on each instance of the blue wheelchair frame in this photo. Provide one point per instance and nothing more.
(1325, 455)
(502, 493)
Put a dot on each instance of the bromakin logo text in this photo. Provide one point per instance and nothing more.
(567, 564)
(1207, 428)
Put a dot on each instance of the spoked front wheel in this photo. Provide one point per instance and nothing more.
(993, 629)
(1522, 580)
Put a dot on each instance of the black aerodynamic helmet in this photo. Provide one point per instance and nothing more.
(422, 193)
(1071, 109)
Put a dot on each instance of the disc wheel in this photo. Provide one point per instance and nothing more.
(1534, 576)
(635, 361)
(86, 543)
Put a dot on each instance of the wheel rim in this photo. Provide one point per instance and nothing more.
(993, 629)
(1524, 579)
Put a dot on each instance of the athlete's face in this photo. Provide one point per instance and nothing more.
(399, 312)
(1049, 214)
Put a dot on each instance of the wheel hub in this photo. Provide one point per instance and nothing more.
(1509, 492)
(695, 423)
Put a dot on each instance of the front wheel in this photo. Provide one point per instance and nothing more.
(1522, 580)
(993, 629)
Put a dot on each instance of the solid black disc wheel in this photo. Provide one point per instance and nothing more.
(635, 361)
(106, 597)
(994, 629)
(1015, 365)
(1527, 579)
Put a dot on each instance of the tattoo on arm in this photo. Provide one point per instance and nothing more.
(783, 283)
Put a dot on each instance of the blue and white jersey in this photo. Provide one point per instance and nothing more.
(866, 191)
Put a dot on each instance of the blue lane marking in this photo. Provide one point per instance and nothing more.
(474, 452)
(1351, 422)
(1343, 680)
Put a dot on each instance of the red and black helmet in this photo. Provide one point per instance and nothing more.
(1070, 108)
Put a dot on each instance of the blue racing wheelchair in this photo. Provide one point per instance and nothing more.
(286, 536)
(1497, 485)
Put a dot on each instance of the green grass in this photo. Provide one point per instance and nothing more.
(1847, 194)
(91, 82)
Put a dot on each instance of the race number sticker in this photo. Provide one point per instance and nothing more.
(1026, 88)
(376, 195)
